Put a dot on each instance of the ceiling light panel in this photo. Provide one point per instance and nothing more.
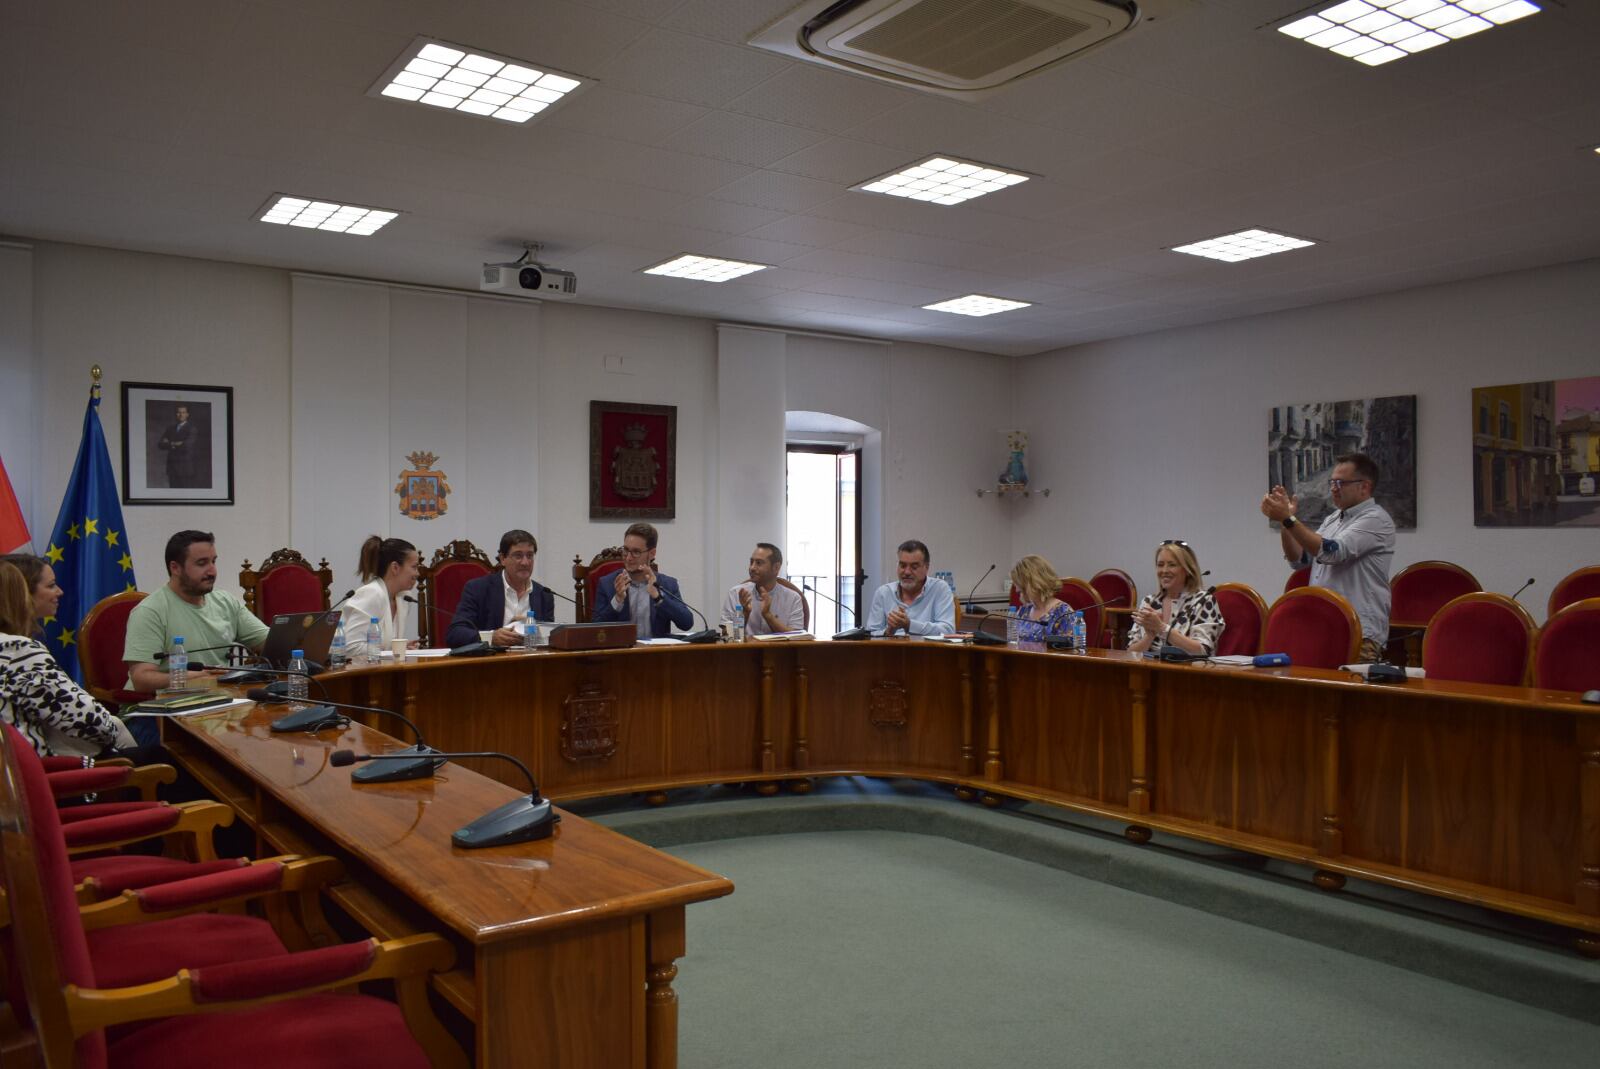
(1376, 32)
(944, 180)
(311, 214)
(976, 304)
(457, 78)
(1245, 245)
(704, 268)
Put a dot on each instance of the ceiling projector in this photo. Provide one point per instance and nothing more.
(527, 279)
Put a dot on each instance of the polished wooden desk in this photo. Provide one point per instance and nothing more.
(1483, 794)
(565, 947)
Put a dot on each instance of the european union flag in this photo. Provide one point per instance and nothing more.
(89, 547)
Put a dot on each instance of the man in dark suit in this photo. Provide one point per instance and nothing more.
(496, 601)
(179, 442)
(640, 595)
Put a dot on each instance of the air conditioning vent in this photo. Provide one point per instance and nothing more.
(955, 46)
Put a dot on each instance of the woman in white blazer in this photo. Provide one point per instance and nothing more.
(388, 569)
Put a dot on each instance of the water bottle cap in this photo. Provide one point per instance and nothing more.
(374, 619)
(295, 655)
(177, 640)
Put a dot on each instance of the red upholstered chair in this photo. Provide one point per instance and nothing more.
(1581, 584)
(100, 640)
(1080, 595)
(1245, 613)
(286, 583)
(1299, 578)
(143, 981)
(1315, 626)
(109, 779)
(439, 584)
(1565, 658)
(586, 578)
(1419, 591)
(1117, 589)
(1480, 638)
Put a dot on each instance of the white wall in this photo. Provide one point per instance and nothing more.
(19, 432)
(1164, 435)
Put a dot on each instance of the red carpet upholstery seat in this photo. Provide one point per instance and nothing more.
(1479, 638)
(1245, 614)
(1423, 588)
(286, 583)
(1315, 626)
(1576, 586)
(440, 584)
(1118, 591)
(1566, 658)
(1298, 579)
(101, 638)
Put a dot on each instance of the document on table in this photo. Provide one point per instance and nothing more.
(170, 714)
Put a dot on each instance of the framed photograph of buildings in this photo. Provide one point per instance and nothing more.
(633, 458)
(1536, 454)
(177, 444)
(1304, 439)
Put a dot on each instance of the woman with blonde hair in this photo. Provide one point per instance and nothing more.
(1179, 613)
(1041, 615)
(36, 697)
(389, 568)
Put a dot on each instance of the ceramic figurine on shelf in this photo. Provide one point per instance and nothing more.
(1015, 474)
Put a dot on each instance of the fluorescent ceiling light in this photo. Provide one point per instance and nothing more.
(1377, 31)
(311, 214)
(1245, 245)
(943, 180)
(704, 268)
(473, 81)
(976, 304)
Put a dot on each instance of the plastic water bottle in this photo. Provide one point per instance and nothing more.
(178, 665)
(336, 654)
(1013, 623)
(374, 641)
(530, 632)
(298, 690)
(1080, 632)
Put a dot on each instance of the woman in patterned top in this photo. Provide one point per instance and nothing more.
(1042, 615)
(1179, 613)
(41, 579)
(36, 697)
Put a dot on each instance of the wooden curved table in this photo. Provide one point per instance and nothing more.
(1483, 794)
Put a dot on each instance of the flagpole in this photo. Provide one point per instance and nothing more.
(94, 387)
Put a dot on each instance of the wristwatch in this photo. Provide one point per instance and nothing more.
(1288, 522)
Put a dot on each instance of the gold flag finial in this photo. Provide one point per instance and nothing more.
(94, 387)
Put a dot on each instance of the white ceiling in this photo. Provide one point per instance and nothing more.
(160, 126)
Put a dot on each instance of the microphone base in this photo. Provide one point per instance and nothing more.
(422, 766)
(852, 634)
(983, 638)
(242, 676)
(311, 718)
(699, 638)
(1385, 673)
(519, 821)
(1178, 655)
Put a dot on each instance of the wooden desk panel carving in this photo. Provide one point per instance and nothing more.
(589, 724)
(887, 704)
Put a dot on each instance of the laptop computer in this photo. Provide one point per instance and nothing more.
(308, 631)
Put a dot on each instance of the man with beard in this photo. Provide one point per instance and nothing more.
(187, 605)
(763, 605)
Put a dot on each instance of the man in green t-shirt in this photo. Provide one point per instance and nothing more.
(208, 619)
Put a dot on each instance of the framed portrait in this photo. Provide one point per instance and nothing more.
(177, 444)
(633, 460)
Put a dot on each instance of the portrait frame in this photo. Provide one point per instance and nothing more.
(633, 461)
(155, 469)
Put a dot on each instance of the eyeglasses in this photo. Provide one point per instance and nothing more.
(1174, 542)
(1335, 484)
(634, 552)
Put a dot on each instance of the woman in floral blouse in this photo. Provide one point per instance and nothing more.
(1179, 613)
(36, 697)
(1041, 615)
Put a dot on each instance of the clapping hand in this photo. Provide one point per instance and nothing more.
(897, 620)
(620, 584)
(1278, 505)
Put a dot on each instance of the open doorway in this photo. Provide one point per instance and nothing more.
(823, 536)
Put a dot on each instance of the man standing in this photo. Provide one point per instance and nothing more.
(187, 604)
(499, 600)
(913, 604)
(179, 442)
(763, 605)
(1351, 551)
(641, 595)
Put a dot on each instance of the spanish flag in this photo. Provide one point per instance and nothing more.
(13, 528)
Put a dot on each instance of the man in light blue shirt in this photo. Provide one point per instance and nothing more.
(913, 605)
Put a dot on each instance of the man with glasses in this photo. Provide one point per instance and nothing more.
(913, 604)
(1351, 551)
(499, 602)
(640, 593)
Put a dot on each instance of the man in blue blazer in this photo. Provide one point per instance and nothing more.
(495, 601)
(640, 595)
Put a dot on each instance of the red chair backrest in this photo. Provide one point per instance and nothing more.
(1566, 657)
(101, 637)
(604, 570)
(288, 588)
(1315, 626)
(448, 580)
(1581, 584)
(1116, 588)
(1298, 579)
(1479, 638)
(1424, 588)
(1245, 615)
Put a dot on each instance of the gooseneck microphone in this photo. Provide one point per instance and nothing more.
(693, 638)
(520, 820)
(416, 761)
(348, 594)
(849, 634)
(974, 591)
(1523, 587)
(230, 646)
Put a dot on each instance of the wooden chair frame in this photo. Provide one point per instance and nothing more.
(1531, 629)
(101, 689)
(1584, 605)
(250, 579)
(1333, 597)
(1116, 619)
(458, 551)
(1551, 607)
(805, 606)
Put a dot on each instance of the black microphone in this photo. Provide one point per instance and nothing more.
(422, 761)
(520, 820)
(849, 634)
(408, 597)
(164, 654)
(974, 591)
(570, 601)
(693, 638)
(348, 594)
(1521, 588)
